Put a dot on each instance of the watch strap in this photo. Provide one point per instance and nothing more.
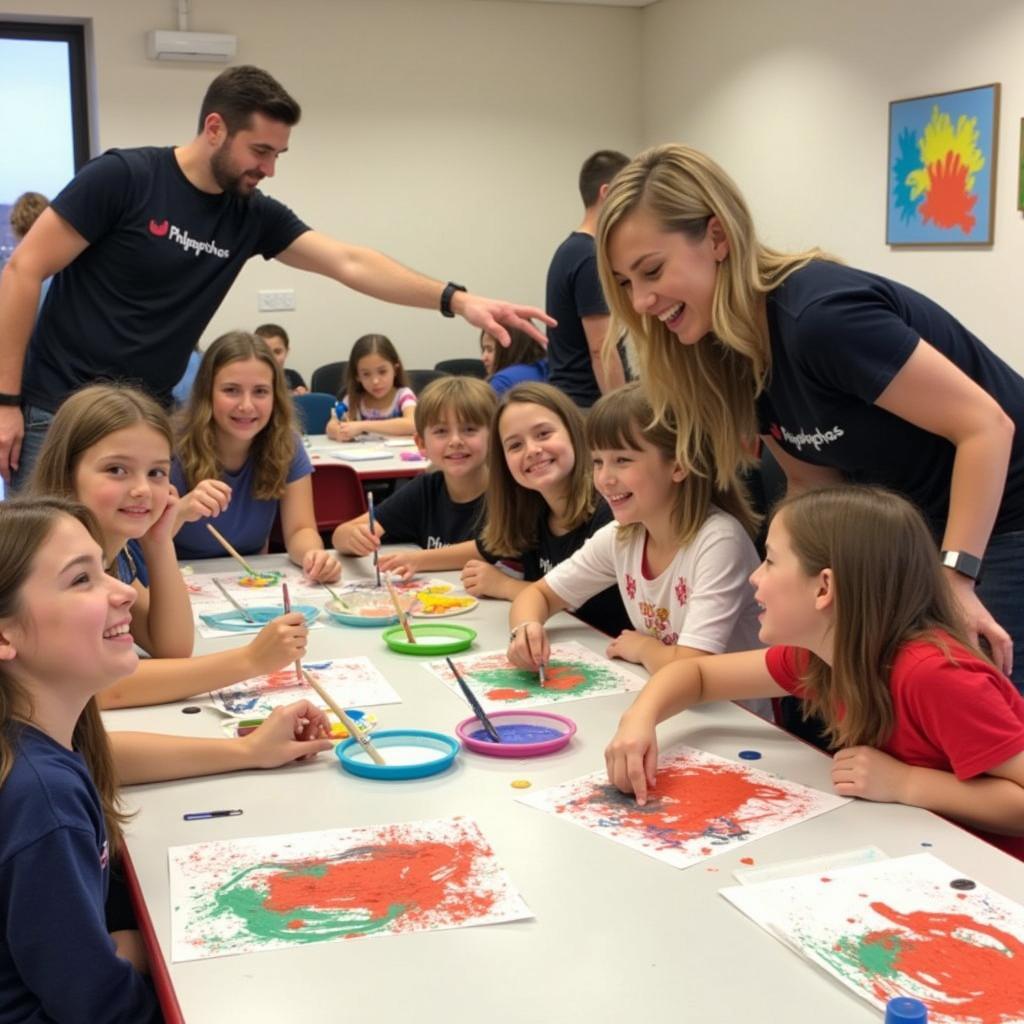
(446, 297)
(962, 562)
(10, 399)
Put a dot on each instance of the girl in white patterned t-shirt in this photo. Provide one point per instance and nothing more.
(679, 550)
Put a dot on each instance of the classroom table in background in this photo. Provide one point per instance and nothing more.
(372, 460)
(616, 935)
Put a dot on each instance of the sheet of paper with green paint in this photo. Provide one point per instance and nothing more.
(909, 926)
(247, 895)
(572, 673)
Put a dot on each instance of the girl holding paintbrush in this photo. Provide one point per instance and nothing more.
(64, 638)
(240, 461)
(111, 450)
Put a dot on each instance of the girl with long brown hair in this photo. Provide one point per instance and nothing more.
(844, 374)
(64, 636)
(239, 459)
(862, 625)
(377, 393)
(541, 501)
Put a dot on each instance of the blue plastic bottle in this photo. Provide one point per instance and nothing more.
(904, 1010)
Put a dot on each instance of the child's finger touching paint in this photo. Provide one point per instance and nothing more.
(632, 758)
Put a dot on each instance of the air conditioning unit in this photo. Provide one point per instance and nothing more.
(195, 46)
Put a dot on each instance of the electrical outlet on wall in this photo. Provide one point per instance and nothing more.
(275, 300)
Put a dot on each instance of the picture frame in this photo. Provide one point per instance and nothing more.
(941, 176)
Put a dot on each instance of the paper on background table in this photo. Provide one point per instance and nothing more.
(573, 672)
(246, 895)
(351, 682)
(702, 805)
(902, 927)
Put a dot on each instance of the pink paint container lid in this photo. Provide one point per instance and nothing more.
(529, 733)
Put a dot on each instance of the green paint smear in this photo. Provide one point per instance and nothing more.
(874, 955)
(596, 678)
(235, 899)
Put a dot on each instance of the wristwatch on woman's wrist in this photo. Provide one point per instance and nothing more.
(963, 563)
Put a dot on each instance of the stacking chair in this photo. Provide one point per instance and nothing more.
(329, 378)
(314, 410)
(462, 367)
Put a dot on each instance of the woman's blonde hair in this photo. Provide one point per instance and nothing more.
(889, 589)
(83, 420)
(709, 387)
(25, 526)
(273, 448)
(621, 420)
(514, 513)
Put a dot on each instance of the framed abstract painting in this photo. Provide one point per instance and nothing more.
(942, 168)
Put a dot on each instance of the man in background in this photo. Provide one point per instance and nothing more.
(575, 299)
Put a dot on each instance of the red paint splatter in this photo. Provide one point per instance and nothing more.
(824, 878)
(947, 202)
(507, 693)
(296, 924)
(422, 876)
(746, 860)
(706, 850)
(975, 970)
(562, 677)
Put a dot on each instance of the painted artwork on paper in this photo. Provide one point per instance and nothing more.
(701, 805)
(572, 673)
(248, 591)
(351, 682)
(247, 895)
(910, 926)
(942, 168)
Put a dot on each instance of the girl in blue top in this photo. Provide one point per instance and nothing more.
(506, 365)
(240, 459)
(64, 636)
(377, 398)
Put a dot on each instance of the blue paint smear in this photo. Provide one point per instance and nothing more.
(521, 733)
(750, 755)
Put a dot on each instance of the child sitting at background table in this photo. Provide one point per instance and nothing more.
(377, 398)
(279, 344)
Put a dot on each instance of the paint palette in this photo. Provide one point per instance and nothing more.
(260, 580)
(441, 606)
(362, 610)
(523, 733)
(364, 722)
(235, 622)
(408, 753)
(432, 638)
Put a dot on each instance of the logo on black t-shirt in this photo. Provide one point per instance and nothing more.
(174, 234)
(817, 440)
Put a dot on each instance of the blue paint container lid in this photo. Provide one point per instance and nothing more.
(904, 1010)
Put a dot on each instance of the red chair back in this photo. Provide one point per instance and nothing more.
(337, 497)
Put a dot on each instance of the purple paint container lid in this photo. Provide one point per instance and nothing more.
(555, 732)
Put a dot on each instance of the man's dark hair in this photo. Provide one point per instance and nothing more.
(238, 93)
(598, 170)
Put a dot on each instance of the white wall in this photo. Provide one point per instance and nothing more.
(447, 133)
(792, 98)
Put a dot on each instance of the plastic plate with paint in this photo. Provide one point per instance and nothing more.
(365, 610)
(408, 754)
(235, 621)
(523, 733)
(261, 580)
(441, 606)
(432, 638)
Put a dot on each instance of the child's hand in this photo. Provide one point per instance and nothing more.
(291, 733)
(870, 774)
(401, 564)
(632, 756)
(356, 539)
(344, 430)
(481, 579)
(278, 643)
(205, 501)
(321, 566)
(629, 646)
(528, 646)
(166, 523)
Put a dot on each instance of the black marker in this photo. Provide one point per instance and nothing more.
(197, 815)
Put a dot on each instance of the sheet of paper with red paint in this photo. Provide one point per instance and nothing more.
(909, 926)
(247, 895)
(572, 673)
(701, 805)
(351, 682)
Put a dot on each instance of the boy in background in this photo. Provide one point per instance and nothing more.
(276, 338)
(439, 509)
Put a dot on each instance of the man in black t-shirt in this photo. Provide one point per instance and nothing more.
(575, 299)
(144, 245)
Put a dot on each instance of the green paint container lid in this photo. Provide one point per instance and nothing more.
(432, 639)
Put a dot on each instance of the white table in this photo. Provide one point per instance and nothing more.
(324, 453)
(617, 935)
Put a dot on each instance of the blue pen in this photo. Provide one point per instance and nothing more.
(340, 408)
(198, 815)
